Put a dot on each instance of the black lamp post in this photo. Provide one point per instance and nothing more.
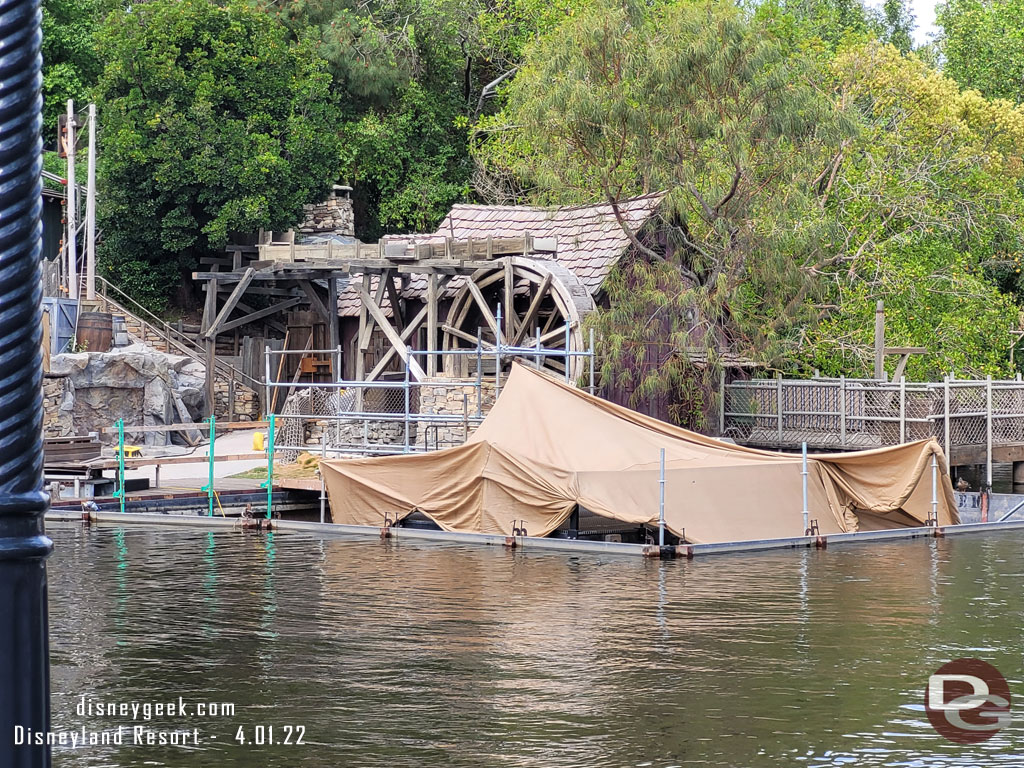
(24, 547)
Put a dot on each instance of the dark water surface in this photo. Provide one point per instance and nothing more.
(428, 655)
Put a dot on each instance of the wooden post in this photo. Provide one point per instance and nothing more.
(333, 332)
(880, 340)
(360, 361)
(431, 325)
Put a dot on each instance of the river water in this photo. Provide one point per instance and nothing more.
(398, 654)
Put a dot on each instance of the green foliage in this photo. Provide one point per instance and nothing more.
(982, 43)
(70, 61)
(212, 123)
(407, 77)
(694, 100)
(927, 204)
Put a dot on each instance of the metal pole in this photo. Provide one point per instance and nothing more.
(536, 358)
(988, 433)
(721, 404)
(661, 502)
(72, 201)
(903, 409)
(935, 490)
(803, 473)
(497, 357)
(568, 348)
(407, 403)
(323, 483)
(90, 212)
(593, 355)
(210, 453)
(266, 360)
(479, 373)
(842, 411)
(24, 546)
(946, 446)
(119, 493)
(269, 484)
(778, 405)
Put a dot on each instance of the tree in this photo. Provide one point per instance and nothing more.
(70, 62)
(927, 204)
(695, 100)
(213, 123)
(982, 43)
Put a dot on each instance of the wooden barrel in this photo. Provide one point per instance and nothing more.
(95, 330)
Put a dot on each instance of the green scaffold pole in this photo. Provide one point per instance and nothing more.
(269, 484)
(119, 493)
(209, 484)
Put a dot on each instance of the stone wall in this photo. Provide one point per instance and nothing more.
(333, 215)
(57, 421)
(455, 398)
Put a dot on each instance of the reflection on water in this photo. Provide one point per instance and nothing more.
(420, 655)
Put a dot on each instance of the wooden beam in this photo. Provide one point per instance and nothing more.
(531, 312)
(378, 315)
(510, 313)
(432, 294)
(415, 323)
(478, 297)
(396, 302)
(378, 296)
(333, 331)
(229, 305)
(314, 300)
(259, 314)
(459, 334)
(210, 305)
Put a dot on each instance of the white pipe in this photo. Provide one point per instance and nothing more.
(988, 434)
(90, 210)
(935, 490)
(661, 504)
(807, 514)
(72, 205)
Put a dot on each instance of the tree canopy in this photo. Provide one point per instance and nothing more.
(213, 123)
(812, 160)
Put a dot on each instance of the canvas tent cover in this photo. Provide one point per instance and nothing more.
(547, 447)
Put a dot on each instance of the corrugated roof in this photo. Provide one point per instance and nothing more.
(589, 238)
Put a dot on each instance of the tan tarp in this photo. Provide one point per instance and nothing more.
(546, 447)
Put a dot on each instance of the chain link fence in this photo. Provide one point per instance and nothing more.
(846, 414)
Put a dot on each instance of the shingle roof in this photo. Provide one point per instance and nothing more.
(589, 239)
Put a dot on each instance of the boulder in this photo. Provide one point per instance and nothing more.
(136, 383)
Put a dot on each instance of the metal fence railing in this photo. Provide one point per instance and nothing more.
(397, 413)
(844, 414)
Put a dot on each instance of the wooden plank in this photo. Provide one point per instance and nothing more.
(230, 304)
(392, 335)
(161, 461)
(460, 334)
(259, 314)
(531, 312)
(478, 297)
(378, 296)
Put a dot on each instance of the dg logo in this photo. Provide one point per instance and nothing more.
(967, 701)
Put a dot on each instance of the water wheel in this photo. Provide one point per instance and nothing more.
(542, 295)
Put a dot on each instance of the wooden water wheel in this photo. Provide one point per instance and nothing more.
(542, 296)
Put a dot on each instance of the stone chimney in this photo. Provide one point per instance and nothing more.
(334, 215)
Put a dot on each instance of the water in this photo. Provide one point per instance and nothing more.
(425, 655)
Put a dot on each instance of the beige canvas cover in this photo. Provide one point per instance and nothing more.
(547, 447)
